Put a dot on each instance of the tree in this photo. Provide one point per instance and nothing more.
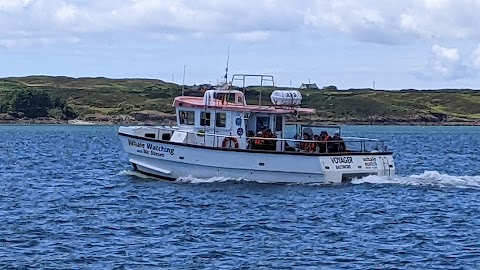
(32, 103)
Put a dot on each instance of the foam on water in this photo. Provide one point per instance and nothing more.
(215, 179)
(427, 178)
(186, 179)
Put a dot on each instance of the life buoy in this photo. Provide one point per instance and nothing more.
(228, 141)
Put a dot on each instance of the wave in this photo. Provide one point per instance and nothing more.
(186, 179)
(216, 179)
(427, 178)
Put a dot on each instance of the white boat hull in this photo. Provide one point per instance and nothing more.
(173, 161)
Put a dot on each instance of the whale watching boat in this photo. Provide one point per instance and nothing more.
(220, 135)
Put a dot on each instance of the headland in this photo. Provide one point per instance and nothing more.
(92, 101)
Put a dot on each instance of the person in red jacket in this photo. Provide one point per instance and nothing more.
(339, 144)
(324, 144)
(308, 145)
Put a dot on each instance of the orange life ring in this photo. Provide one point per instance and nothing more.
(229, 140)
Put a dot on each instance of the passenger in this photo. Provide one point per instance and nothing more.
(292, 145)
(308, 145)
(270, 144)
(258, 142)
(250, 141)
(339, 143)
(182, 118)
(324, 145)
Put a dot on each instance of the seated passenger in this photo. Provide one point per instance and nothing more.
(339, 144)
(249, 141)
(308, 145)
(270, 144)
(324, 145)
(258, 142)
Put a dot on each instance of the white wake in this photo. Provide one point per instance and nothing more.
(427, 178)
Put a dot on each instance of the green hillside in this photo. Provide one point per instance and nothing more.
(112, 97)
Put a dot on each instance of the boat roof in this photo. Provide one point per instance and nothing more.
(199, 103)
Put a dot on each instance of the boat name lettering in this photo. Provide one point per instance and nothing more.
(160, 148)
(339, 167)
(370, 162)
(153, 153)
(338, 160)
(136, 144)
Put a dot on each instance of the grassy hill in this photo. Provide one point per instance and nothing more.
(113, 97)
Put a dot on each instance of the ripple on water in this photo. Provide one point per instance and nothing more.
(68, 200)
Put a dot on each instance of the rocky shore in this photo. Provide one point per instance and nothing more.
(155, 118)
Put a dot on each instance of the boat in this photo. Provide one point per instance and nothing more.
(217, 134)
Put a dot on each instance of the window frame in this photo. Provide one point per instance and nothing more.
(187, 119)
(225, 126)
(206, 119)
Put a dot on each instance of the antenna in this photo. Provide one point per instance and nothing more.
(226, 68)
(183, 82)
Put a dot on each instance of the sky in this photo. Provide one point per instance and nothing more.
(389, 44)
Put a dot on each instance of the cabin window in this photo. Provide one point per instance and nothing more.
(221, 96)
(166, 136)
(221, 120)
(150, 135)
(204, 119)
(263, 122)
(187, 117)
(278, 123)
(239, 99)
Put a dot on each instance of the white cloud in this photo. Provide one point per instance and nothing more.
(475, 58)
(254, 36)
(12, 5)
(30, 41)
(446, 54)
(390, 22)
(446, 64)
(66, 13)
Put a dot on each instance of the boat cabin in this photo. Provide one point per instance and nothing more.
(225, 114)
(221, 118)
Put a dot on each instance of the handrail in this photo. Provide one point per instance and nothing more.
(344, 139)
(355, 144)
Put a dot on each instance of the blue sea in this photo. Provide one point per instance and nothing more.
(68, 200)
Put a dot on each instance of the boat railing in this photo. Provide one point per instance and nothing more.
(352, 144)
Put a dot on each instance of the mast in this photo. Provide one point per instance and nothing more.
(226, 68)
(183, 81)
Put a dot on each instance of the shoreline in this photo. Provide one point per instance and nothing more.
(133, 122)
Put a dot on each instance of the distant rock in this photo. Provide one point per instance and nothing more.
(97, 118)
(6, 117)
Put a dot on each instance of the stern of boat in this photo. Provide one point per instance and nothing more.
(344, 168)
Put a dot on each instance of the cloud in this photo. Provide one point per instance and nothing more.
(445, 64)
(383, 22)
(254, 36)
(12, 5)
(475, 58)
(446, 54)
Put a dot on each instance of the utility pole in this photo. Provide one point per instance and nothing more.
(173, 77)
(373, 85)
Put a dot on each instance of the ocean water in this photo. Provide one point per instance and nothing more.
(68, 200)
